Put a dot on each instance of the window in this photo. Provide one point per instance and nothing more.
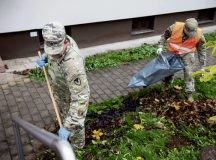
(41, 40)
(68, 30)
(206, 15)
(142, 25)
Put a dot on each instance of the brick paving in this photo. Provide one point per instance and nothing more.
(29, 99)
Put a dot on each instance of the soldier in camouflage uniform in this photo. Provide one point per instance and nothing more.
(68, 79)
(184, 39)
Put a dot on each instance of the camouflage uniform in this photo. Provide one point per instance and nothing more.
(188, 58)
(71, 90)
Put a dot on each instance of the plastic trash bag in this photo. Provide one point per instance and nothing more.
(164, 65)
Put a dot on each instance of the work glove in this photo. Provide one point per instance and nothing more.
(63, 133)
(159, 50)
(41, 61)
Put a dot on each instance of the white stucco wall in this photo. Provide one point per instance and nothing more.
(19, 15)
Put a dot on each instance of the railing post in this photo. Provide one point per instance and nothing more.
(18, 141)
(62, 147)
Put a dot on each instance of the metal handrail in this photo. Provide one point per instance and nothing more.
(62, 147)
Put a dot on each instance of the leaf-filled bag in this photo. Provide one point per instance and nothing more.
(164, 65)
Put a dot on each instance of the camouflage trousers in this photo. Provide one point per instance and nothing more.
(74, 122)
(73, 108)
(188, 61)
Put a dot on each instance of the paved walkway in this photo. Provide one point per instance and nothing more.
(29, 99)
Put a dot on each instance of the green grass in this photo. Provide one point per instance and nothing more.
(206, 89)
(150, 144)
(37, 74)
(111, 103)
(114, 58)
(153, 143)
(210, 36)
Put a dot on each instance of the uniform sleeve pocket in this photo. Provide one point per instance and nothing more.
(77, 83)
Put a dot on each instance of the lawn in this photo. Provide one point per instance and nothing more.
(151, 124)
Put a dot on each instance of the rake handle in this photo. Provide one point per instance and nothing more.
(51, 95)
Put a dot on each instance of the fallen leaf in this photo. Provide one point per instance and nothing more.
(176, 105)
(154, 114)
(139, 158)
(157, 100)
(212, 120)
(178, 87)
(214, 52)
(99, 112)
(97, 134)
(104, 142)
(159, 125)
(138, 126)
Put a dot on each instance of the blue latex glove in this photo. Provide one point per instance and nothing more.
(41, 61)
(63, 133)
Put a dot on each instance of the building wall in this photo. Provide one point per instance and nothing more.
(17, 45)
(94, 34)
(21, 15)
(26, 43)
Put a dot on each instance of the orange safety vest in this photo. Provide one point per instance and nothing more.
(175, 43)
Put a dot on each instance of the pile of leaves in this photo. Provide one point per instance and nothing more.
(168, 103)
(110, 119)
(176, 110)
(181, 117)
(35, 73)
(24, 72)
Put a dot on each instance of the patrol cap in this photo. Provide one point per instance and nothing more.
(54, 35)
(191, 25)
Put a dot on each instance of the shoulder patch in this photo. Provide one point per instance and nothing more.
(77, 81)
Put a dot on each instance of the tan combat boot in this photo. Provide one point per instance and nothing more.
(190, 97)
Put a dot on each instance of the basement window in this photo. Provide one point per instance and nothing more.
(68, 30)
(41, 40)
(142, 25)
(206, 15)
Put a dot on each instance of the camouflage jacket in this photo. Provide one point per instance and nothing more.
(68, 79)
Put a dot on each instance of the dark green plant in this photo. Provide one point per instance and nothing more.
(210, 36)
(115, 58)
(37, 74)
(208, 73)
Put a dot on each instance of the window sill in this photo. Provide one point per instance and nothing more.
(205, 21)
(142, 31)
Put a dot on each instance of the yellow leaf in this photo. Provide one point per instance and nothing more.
(139, 158)
(214, 52)
(178, 87)
(199, 72)
(212, 69)
(137, 126)
(206, 77)
(99, 112)
(212, 120)
(210, 44)
(157, 100)
(176, 105)
(97, 134)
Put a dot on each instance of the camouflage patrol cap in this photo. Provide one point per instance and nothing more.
(54, 36)
(191, 25)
